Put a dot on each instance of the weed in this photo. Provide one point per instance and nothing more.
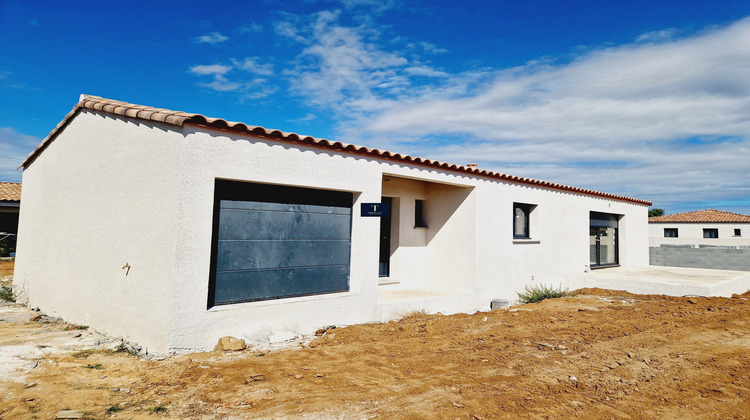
(124, 347)
(159, 409)
(75, 327)
(541, 292)
(261, 354)
(96, 366)
(7, 294)
(82, 354)
(113, 409)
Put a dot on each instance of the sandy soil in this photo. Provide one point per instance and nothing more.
(6, 269)
(602, 354)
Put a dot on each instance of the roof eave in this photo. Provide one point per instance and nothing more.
(181, 118)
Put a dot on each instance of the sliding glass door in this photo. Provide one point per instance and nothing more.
(603, 241)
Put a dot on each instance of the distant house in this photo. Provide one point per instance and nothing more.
(702, 227)
(174, 229)
(10, 203)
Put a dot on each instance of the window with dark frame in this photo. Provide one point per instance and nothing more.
(419, 220)
(670, 232)
(711, 233)
(521, 214)
(737, 232)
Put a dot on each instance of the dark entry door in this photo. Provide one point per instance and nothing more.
(384, 269)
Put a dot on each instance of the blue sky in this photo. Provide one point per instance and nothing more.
(649, 99)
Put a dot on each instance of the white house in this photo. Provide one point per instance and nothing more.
(702, 227)
(10, 202)
(174, 229)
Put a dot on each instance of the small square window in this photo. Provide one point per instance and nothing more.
(670, 232)
(419, 220)
(711, 233)
(738, 232)
(521, 213)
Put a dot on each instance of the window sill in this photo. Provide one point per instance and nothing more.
(526, 241)
(420, 227)
(599, 267)
(281, 301)
(386, 281)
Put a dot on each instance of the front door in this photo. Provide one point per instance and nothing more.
(384, 269)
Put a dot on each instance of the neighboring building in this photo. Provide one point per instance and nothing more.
(702, 227)
(174, 229)
(10, 203)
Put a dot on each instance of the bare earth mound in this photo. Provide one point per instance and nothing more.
(603, 355)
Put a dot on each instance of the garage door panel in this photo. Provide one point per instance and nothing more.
(244, 255)
(249, 224)
(279, 283)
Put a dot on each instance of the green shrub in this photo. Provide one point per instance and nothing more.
(126, 348)
(113, 409)
(541, 292)
(159, 409)
(7, 294)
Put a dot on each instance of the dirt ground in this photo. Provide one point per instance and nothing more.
(601, 354)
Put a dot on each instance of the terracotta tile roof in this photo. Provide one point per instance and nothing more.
(182, 118)
(10, 191)
(701, 216)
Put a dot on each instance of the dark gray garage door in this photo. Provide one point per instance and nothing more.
(273, 242)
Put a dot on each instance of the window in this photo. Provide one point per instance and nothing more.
(670, 233)
(737, 232)
(710, 233)
(419, 220)
(521, 214)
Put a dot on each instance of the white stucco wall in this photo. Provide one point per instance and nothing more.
(216, 155)
(110, 191)
(103, 194)
(692, 234)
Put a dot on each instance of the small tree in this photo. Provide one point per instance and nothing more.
(655, 212)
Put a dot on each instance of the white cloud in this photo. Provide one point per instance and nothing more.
(657, 36)
(667, 120)
(345, 68)
(221, 84)
(14, 148)
(251, 27)
(254, 88)
(432, 48)
(212, 69)
(211, 38)
(250, 64)
(376, 6)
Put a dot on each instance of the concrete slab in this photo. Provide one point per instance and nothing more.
(671, 281)
(395, 301)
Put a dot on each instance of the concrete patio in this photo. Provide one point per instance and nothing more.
(671, 281)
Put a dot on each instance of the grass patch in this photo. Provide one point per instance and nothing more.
(96, 366)
(534, 294)
(124, 347)
(82, 354)
(75, 327)
(159, 409)
(113, 409)
(7, 294)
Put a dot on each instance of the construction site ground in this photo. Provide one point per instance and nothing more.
(599, 354)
